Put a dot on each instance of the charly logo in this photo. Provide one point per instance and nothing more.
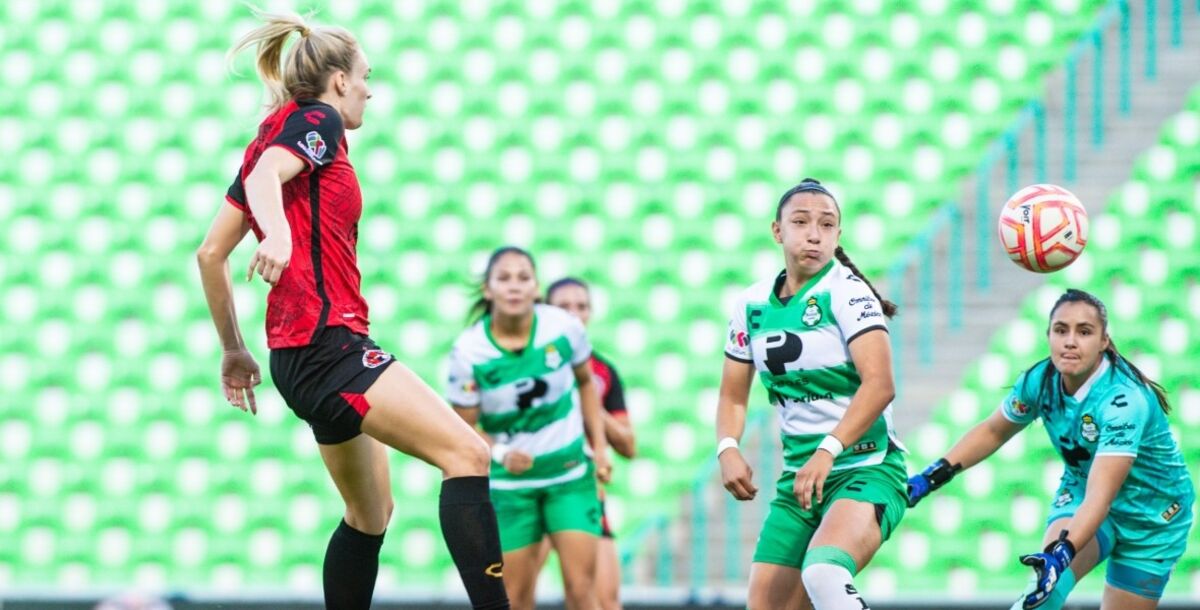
(812, 313)
(1088, 429)
(553, 358)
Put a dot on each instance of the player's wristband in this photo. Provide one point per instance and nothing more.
(726, 443)
(500, 451)
(831, 444)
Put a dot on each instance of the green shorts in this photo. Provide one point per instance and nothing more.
(789, 528)
(527, 515)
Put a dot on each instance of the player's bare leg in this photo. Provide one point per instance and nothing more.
(851, 527)
(773, 586)
(577, 557)
(408, 415)
(608, 574)
(1117, 599)
(520, 575)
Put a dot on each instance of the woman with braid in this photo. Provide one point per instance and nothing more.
(816, 335)
(1125, 493)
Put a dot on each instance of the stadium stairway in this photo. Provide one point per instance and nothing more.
(1100, 170)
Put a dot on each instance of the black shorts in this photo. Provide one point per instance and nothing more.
(324, 382)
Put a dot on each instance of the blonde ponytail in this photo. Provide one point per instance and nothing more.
(305, 72)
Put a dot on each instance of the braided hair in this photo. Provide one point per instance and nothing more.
(811, 185)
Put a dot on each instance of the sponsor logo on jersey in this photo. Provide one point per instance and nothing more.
(869, 314)
(859, 300)
(866, 447)
(812, 313)
(553, 358)
(1020, 408)
(1171, 511)
(374, 358)
(1088, 429)
(1064, 498)
(313, 146)
(470, 386)
(314, 116)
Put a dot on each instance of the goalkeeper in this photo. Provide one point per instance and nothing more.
(1125, 493)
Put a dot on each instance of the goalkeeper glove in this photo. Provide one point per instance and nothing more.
(937, 474)
(1048, 566)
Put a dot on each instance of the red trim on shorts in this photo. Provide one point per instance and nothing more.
(358, 402)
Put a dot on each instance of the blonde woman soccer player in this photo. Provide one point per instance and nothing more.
(300, 195)
(522, 374)
(817, 338)
(1125, 493)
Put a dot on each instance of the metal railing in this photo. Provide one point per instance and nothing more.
(1087, 68)
(666, 554)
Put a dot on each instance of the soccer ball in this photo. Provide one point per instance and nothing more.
(1043, 228)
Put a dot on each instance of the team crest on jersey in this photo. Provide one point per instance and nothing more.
(553, 358)
(812, 313)
(313, 145)
(1088, 429)
(1020, 408)
(374, 358)
(1064, 498)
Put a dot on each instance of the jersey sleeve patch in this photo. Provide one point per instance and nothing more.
(461, 388)
(312, 133)
(1017, 407)
(737, 341)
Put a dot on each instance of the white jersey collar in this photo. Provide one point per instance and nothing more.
(1081, 394)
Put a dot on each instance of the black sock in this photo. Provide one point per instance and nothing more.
(469, 527)
(351, 564)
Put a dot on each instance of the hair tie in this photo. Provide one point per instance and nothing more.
(305, 31)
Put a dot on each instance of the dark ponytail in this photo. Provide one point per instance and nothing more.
(1125, 366)
(1119, 362)
(889, 308)
(482, 305)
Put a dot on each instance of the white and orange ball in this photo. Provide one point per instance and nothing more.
(1043, 228)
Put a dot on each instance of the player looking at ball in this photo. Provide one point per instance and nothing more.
(1125, 493)
(817, 337)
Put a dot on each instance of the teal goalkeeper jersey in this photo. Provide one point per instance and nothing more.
(1111, 414)
(528, 400)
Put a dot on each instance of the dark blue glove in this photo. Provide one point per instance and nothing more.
(937, 474)
(1048, 567)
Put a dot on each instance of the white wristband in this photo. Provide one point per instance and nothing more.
(831, 444)
(726, 443)
(499, 452)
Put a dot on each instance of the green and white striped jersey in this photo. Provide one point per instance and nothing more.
(528, 399)
(799, 348)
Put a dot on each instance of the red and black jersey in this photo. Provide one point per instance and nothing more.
(612, 393)
(321, 286)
